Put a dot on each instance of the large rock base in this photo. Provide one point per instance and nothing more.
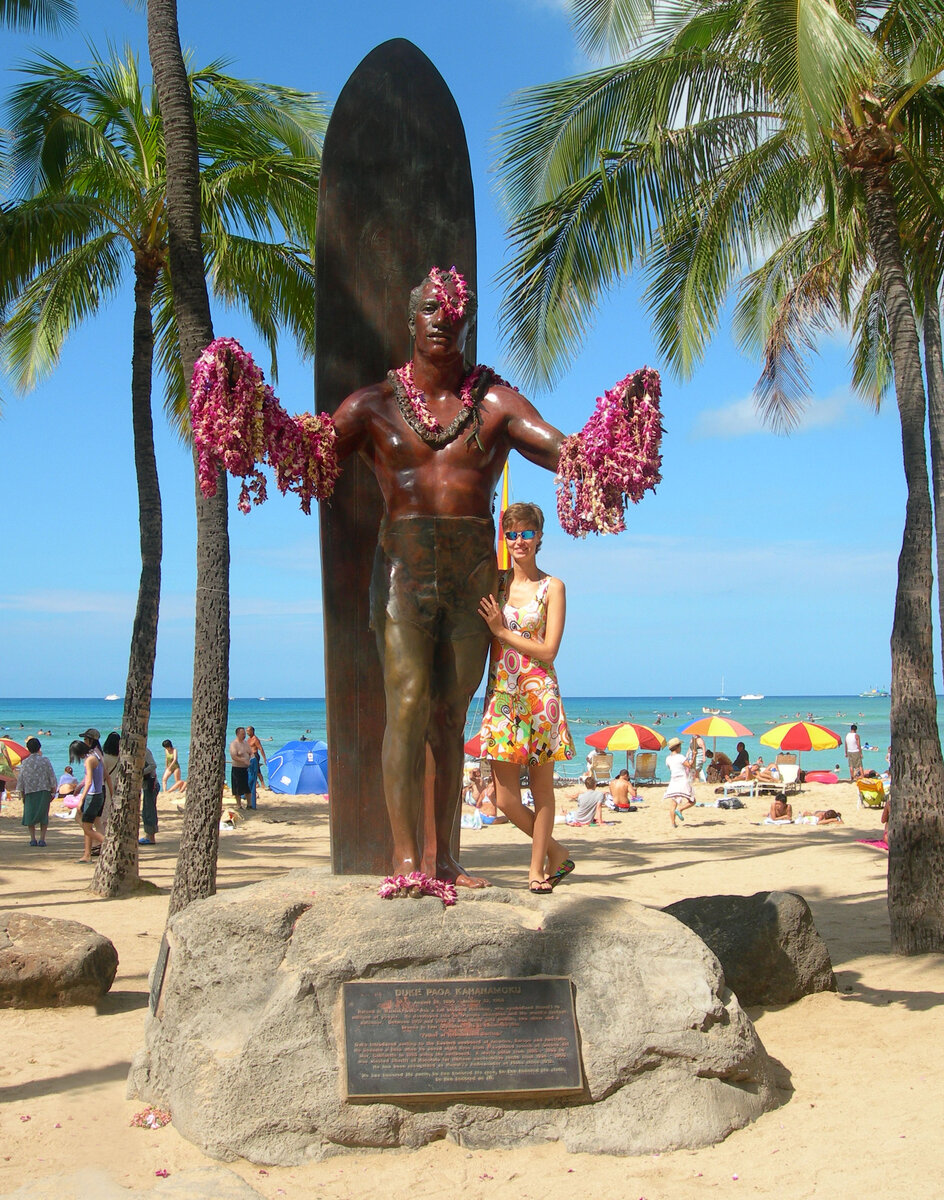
(247, 1047)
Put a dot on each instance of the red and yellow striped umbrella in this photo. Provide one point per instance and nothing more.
(628, 736)
(15, 753)
(801, 735)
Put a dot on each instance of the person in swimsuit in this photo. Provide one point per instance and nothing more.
(524, 722)
(171, 766)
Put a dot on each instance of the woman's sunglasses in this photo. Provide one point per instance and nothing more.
(513, 534)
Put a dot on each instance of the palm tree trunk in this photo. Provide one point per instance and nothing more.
(116, 873)
(934, 370)
(195, 876)
(117, 870)
(916, 826)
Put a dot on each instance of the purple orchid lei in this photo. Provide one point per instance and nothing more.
(396, 886)
(239, 423)
(614, 459)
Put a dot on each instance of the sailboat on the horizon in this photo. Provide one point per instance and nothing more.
(722, 696)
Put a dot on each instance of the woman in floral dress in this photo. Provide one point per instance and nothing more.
(524, 723)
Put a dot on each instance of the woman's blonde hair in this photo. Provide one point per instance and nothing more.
(527, 514)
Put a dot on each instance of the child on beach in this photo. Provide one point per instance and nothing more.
(680, 793)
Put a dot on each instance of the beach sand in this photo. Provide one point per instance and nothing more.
(860, 1070)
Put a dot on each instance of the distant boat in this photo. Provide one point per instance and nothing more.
(262, 698)
(722, 696)
(712, 712)
(873, 692)
(113, 696)
(752, 696)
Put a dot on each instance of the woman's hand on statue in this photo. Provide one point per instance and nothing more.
(491, 614)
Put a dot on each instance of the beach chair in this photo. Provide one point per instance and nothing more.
(601, 766)
(784, 757)
(645, 768)
(871, 793)
(788, 782)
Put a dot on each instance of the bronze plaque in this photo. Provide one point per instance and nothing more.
(455, 1038)
(160, 970)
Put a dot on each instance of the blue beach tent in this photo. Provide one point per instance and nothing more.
(299, 768)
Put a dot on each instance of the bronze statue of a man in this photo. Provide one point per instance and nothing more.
(436, 436)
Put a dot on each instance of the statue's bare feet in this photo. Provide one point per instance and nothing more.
(448, 868)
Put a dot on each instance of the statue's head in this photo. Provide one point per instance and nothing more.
(451, 289)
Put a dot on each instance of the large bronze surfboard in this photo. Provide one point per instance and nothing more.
(396, 199)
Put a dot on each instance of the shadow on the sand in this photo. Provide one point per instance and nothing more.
(60, 1084)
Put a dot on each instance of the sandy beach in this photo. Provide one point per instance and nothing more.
(860, 1070)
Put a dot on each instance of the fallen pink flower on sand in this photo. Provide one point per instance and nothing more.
(162, 1172)
(151, 1118)
(26, 1117)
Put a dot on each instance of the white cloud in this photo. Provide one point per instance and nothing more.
(740, 418)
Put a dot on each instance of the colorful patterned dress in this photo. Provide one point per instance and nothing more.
(524, 720)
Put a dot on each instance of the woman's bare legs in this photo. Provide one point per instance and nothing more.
(92, 838)
(547, 854)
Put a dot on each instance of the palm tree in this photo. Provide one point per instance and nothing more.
(726, 126)
(53, 15)
(89, 171)
(195, 874)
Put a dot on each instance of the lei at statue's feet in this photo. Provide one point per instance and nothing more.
(416, 884)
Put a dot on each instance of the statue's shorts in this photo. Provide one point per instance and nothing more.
(431, 573)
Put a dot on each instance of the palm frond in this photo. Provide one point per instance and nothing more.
(52, 16)
(56, 301)
(815, 61)
(872, 368)
(609, 26)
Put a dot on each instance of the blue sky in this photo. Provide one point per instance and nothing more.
(768, 560)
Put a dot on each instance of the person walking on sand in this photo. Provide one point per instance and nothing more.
(239, 757)
(255, 766)
(524, 723)
(91, 797)
(149, 800)
(680, 793)
(854, 752)
(37, 784)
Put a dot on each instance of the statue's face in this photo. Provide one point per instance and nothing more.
(436, 333)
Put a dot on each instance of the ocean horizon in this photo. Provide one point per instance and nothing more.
(57, 720)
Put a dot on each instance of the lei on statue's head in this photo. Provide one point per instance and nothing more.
(457, 304)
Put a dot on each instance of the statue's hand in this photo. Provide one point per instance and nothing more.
(491, 614)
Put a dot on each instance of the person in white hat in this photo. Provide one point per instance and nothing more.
(680, 793)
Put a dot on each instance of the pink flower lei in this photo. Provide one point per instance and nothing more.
(415, 884)
(412, 402)
(453, 308)
(614, 459)
(238, 423)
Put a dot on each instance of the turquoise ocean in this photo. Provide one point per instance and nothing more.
(280, 720)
